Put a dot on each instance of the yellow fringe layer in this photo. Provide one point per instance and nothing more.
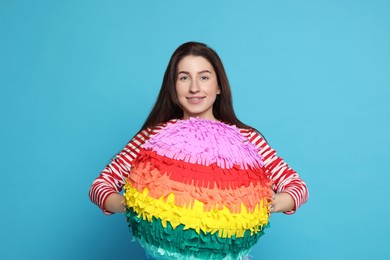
(220, 221)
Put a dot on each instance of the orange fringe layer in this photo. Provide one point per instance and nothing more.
(162, 177)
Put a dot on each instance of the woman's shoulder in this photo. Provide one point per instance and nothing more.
(254, 136)
(153, 130)
(250, 132)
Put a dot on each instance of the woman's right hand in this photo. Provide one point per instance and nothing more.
(115, 203)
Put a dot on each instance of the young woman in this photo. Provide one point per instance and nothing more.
(199, 183)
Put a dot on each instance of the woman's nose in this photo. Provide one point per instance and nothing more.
(194, 87)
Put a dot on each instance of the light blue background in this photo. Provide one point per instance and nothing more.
(78, 79)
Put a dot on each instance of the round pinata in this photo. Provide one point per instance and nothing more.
(197, 190)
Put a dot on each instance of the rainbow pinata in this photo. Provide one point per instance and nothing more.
(197, 190)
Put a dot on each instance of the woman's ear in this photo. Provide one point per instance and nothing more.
(218, 91)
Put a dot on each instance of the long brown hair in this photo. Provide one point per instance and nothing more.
(167, 105)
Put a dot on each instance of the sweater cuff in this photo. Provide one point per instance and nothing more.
(101, 206)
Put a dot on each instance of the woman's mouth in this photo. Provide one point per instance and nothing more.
(194, 100)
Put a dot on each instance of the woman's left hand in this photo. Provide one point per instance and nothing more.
(281, 202)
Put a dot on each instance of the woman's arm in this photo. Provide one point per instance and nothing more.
(290, 190)
(105, 189)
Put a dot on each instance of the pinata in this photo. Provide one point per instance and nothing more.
(197, 190)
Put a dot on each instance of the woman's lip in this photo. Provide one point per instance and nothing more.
(195, 100)
(194, 97)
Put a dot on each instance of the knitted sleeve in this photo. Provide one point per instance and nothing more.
(114, 175)
(283, 177)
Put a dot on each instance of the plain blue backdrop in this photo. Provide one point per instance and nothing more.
(78, 78)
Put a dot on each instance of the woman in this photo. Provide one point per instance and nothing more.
(199, 183)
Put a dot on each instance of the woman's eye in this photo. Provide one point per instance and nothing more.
(204, 78)
(182, 78)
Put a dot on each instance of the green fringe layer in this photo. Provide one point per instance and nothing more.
(188, 242)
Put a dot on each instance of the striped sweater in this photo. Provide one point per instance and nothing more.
(114, 176)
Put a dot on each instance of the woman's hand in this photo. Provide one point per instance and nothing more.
(281, 202)
(115, 203)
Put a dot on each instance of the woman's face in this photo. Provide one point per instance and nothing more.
(196, 87)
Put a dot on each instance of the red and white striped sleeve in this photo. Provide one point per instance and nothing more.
(284, 178)
(114, 175)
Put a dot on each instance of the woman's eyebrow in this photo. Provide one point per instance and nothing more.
(200, 72)
(204, 71)
(184, 72)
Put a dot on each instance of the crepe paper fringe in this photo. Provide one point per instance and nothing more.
(198, 190)
(160, 185)
(222, 222)
(210, 176)
(159, 253)
(181, 243)
(200, 141)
